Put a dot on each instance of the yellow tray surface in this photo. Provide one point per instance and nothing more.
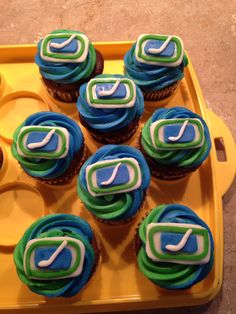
(117, 284)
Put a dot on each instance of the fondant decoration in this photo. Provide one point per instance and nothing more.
(103, 92)
(173, 241)
(161, 50)
(181, 244)
(34, 142)
(47, 257)
(43, 142)
(111, 93)
(178, 243)
(69, 45)
(54, 258)
(65, 47)
(113, 176)
(167, 134)
(51, 259)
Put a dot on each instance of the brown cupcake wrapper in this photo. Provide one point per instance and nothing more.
(137, 241)
(162, 93)
(70, 92)
(73, 169)
(96, 244)
(165, 172)
(114, 137)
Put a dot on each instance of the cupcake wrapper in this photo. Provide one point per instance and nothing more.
(70, 92)
(73, 169)
(115, 137)
(96, 244)
(64, 96)
(137, 241)
(161, 94)
(165, 172)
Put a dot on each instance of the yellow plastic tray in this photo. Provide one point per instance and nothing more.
(117, 285)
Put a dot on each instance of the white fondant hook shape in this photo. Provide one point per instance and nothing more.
(114, 173)
(111, 91)
(43, 142)
(162, 48)
(181, 132)
(46, 263)
(181, 244)
(64, 43)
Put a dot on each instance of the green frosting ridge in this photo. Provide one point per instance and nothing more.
(108, 207)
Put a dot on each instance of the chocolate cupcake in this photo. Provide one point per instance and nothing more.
(110, 107)
(49, 147)
(57, 255)
(112, 183)
(66, 60)
(174, 247)
(156, 64)
(175, 142)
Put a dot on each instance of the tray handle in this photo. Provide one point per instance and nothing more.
(225, 151)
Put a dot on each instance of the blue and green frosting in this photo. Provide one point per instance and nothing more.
(66, 73)
(172, 275)
(108, 120)
(50, 226)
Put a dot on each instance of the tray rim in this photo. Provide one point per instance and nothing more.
(199, 298)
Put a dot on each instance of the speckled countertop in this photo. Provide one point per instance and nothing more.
(208, 28)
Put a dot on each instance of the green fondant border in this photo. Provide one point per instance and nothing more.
(114, 188)
(160, 144)
(160, 59)
(60, 55)
(51, 274)
(112, 101)
(33, 154)
(174, 256)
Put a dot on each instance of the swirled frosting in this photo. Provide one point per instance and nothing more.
(53, 227)
(114, 206)
(172, 275)
(49, 168)
(153, 77)
(66, 72)
(109, 119)
(178, 157)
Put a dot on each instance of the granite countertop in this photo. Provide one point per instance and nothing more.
(208, 29)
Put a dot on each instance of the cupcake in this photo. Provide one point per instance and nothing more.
(174, 247)
(110, 107)
(175, 142)
(57, 255)
(112, 183)
(156, 64)
(66, 60)
(49, 147)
